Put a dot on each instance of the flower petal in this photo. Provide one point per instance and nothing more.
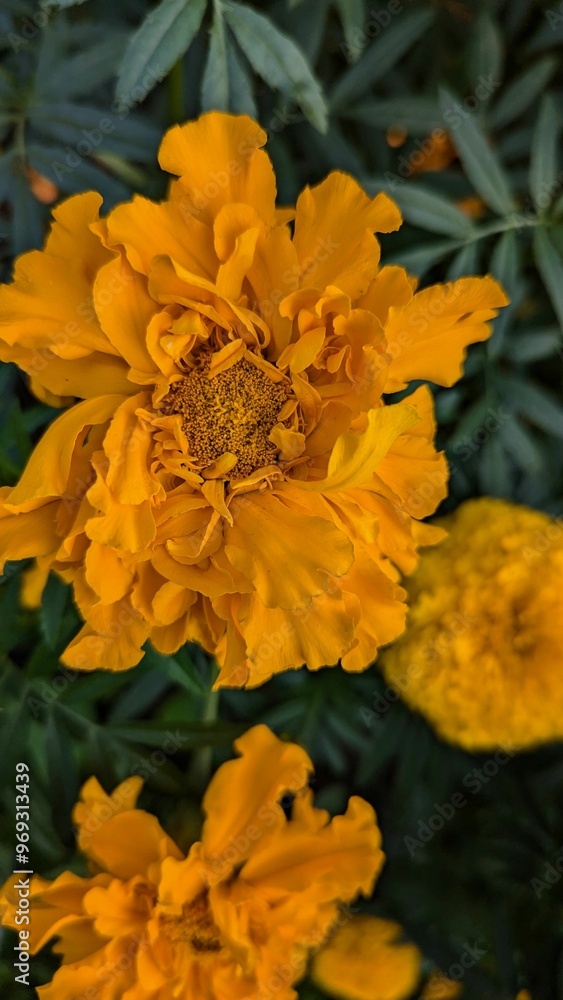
(334, 224)
(219, 161)
(47, 471)
(242, 800)
(335, 861)
(267, 536)
(427, 338)
(356, 456)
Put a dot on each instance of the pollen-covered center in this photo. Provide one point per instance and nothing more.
(233, 411)
(194, 928)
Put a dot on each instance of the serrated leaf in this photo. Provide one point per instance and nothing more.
(550, 266)
(276, 58)
(544, 180)
(215, 81)
(522, 92)
(428, 210)
(163, 37)
(479, 160)
(381, 56)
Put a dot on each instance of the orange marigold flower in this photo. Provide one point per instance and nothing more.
(482, 654)
(231, 474)
(367, 960)
(237, 917)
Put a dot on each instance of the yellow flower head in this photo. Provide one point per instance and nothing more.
(366, 960)
(231, 474)
(483, 651)
(236, 918)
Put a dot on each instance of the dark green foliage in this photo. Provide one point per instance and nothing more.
(86, 91)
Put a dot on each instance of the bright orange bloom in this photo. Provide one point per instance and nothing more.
(236, 918)
(367, 960)
(232, 474)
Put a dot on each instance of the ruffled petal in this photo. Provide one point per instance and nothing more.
(242, 800)
(356, 455)
(219, 161)
(267, 536)
(428, 337)
(47, 471)
(147, 229)
(334, 861)
(334, 226)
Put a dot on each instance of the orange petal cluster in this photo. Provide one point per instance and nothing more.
(231, 471)
(236, 918)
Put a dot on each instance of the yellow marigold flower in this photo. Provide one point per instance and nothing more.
(237, 917)
(231, 474)
(366, 960)
(482, 654)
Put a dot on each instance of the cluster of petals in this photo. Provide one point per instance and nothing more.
(483, 651)
(228, 469)
(235, 919)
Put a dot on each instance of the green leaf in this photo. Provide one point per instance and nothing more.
(465, 262)
(544, 180)
(421, 257)
(352, 15)
(494, 469)
(61, 769)
(505, 266)
(241, 97)
(485, 52)
(276, 58)
(550, 266)
(53, 605)
(535, 345)
(522, 92)
(533, 402)
(215, 82)
(419, 115)
(382, 55)
(191, 735)
(520, 445)
(428, 210)
(163, 37)
(480, 162)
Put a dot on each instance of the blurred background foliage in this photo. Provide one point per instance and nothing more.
(454, 107)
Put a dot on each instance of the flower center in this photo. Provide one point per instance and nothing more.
(195, 927)
(233, 411)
